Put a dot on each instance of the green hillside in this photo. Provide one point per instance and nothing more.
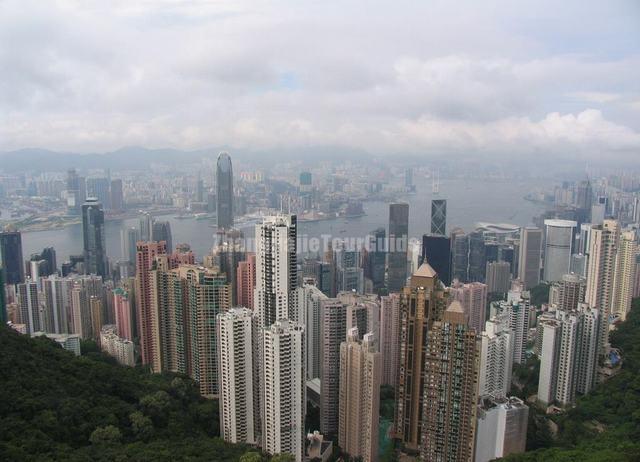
(54, 406)
(605, 424)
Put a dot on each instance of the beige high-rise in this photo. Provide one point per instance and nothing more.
(450, 391)
(625, 275)
(422, 303)
(360, 377)
(603, 248)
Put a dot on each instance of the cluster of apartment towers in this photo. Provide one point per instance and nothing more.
(268, 343)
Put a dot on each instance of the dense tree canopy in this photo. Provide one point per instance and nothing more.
(54, 406)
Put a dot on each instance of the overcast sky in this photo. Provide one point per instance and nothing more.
(513, 77)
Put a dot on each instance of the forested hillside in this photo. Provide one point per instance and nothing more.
(54, 406)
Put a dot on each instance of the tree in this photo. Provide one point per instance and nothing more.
(283, 458)
(106, 435)
(251, 456)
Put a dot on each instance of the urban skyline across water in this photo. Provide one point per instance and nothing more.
(469, 202)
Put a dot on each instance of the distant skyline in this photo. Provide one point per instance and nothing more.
(525, 79)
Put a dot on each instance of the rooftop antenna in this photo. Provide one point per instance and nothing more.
(281, 209)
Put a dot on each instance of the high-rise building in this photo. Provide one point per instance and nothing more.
(97, 316)
(120, 348)
(333, 323)
(377, 259)
(498, 277)
(363, 312)
(100, 189)
(496, 358)
(516, 309)
(228, 253)
(473, 298)
(236, 376)
(129, 239)
(29, 301)
(124, 313)
(275, 298)
(530, 257)
(450, 391)
(95, 256)
(161, 231)
(603, 250)
(246, 281)
(76, 192)
(501, 428)
(148, 323)
(436, 250)
(558, 247)
(276, 269)
(224, 191)
(188, 299)
(312, 298)
(145, 226)
(283, 389)
(117, 197)
(359, 396)
(625, 276)
(389, 336)
(11, 258)
(349, 274)
(569, 355)
(421, 304)
(57, 294)
(398, 244)
(571, 291)
(439, 217)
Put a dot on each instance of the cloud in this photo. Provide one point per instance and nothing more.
(412, 78)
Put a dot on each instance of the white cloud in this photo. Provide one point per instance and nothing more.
(86, 76)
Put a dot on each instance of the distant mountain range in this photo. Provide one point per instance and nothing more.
(136, 157)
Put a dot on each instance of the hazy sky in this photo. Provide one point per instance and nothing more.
(512, 77)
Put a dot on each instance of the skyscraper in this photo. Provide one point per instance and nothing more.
(333, 323)
(450, 391)
(571, 292)
(57, 294)
(145, 221)
(625, 274)
(603, 249)
(436, 250)
(569, 355)
(498, 277)
(359, 391)
(11, 256)
(377, 258)
(100, 189)
(276, 269)
(558, 247)
(224, 191)
(421, 304)
(398, 244)
(284, 389)
(439, 217)
(29, 302)
(117, 198)
(530, 255)
(389, 335)
(246, 281)
(124, 314)
(473, 298)
(161, 231)
(236, 376)
(496, 358)
(148, 323)
(95, 257)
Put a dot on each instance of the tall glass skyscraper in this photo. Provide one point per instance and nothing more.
(398, 241)
(95, 257)
(224, 191)
(11, 256)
